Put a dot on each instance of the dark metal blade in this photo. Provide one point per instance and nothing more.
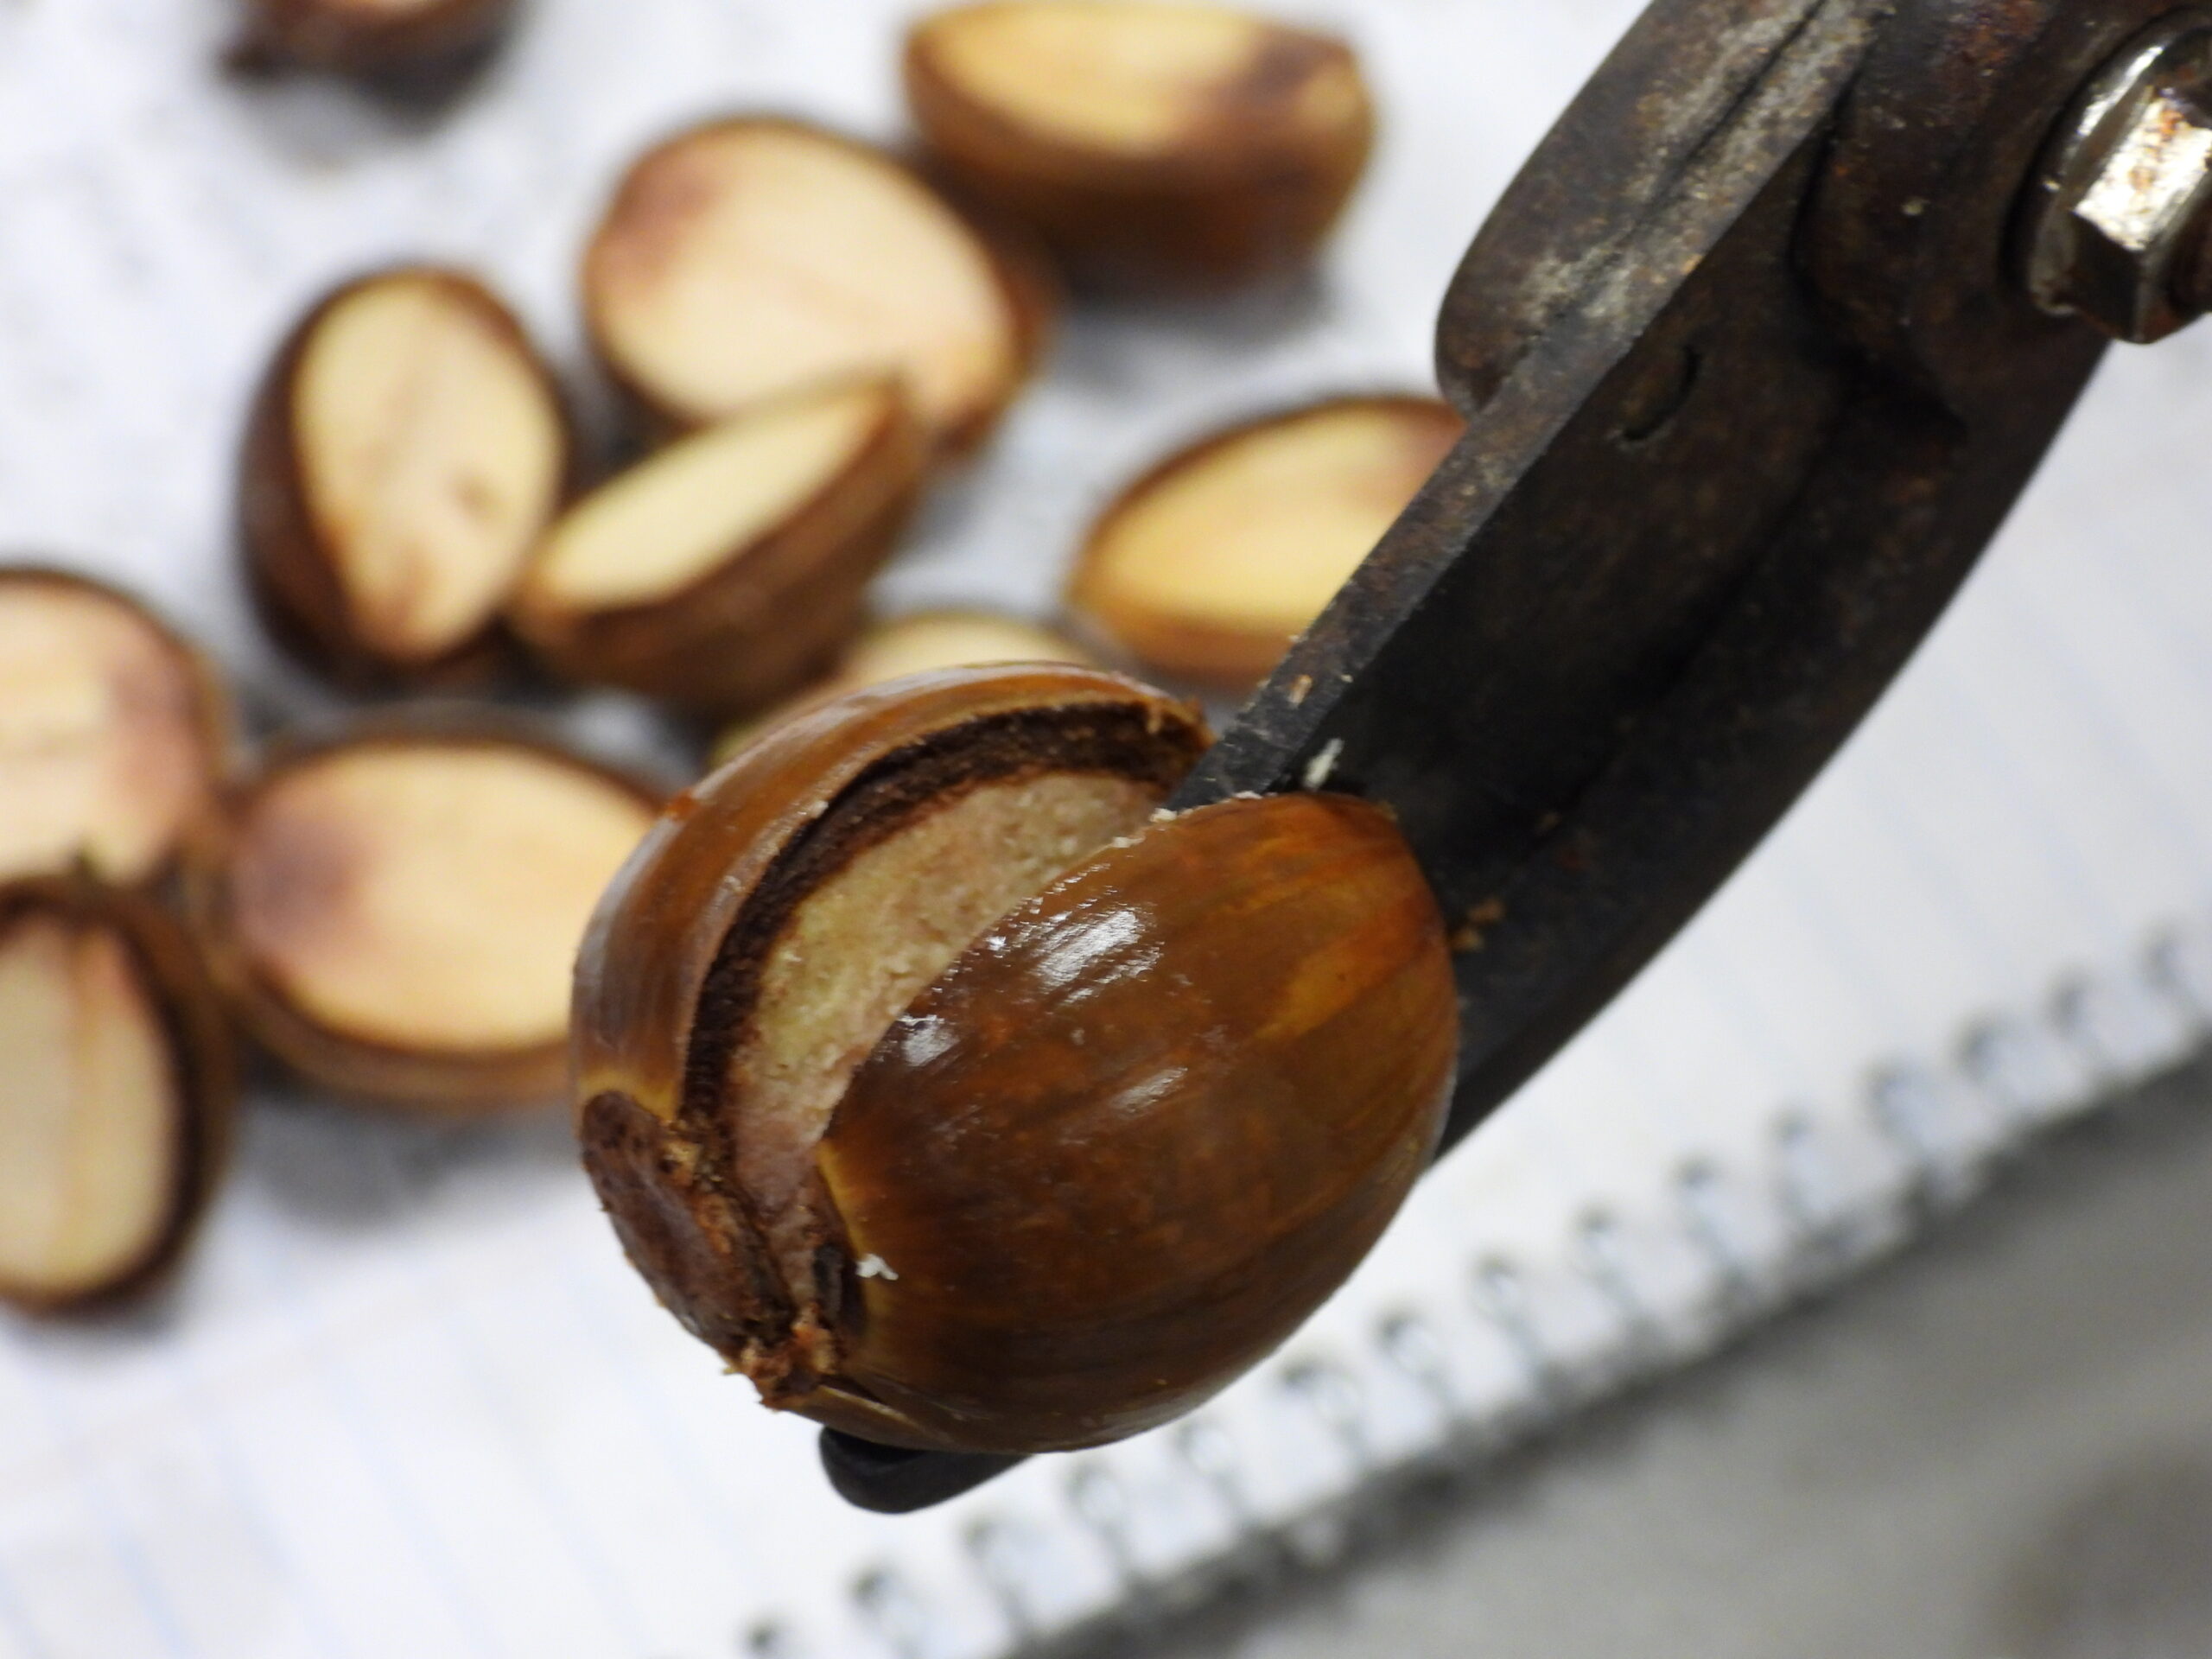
(1751, 385)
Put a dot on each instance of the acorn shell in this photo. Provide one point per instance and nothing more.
(669, 970)
(772, 611)
(1099, 1199)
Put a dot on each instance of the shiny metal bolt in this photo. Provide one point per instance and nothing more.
(2117, 227)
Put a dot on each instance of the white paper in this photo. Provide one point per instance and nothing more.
(408, 1399)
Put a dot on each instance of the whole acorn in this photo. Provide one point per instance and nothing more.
(964, 1099)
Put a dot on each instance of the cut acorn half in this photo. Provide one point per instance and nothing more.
(406, 450)
(757, 256)
(1211, 564)
(116, 1090)
(395, 910)
(115, 732)
(1150, 146)
(728, 569)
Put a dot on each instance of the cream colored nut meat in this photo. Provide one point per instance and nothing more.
(919, 642)
(113, 732)
(926, 640)
(1209, 566)
(115, 1092)
(1148, 144)
(371, 37)
(729, 569)
(397, 910)
(407, 449)
(753, 256)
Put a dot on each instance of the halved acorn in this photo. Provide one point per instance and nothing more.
(917, 643)
(407, 448)
(757, 256)
(115, 732)
(728, 569)
(374, 39)
(1211, 564)
(395, 910)
(961, 1098)
(1151, 146)
(116, 1090)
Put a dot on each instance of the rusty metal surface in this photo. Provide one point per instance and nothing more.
(2124, 186)
(1708, 509)
(1752, 381)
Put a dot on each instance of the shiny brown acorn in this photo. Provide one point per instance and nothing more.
(963, 1099)
(1151, 146)
(117, 1088)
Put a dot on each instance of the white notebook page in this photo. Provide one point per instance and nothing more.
(408, 1400)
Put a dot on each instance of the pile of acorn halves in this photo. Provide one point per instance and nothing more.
(806, 331)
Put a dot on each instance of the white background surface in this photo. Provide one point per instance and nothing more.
(408, 1400)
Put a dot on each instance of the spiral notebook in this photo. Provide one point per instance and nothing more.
(409, 1400)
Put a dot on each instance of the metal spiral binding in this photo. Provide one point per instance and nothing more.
(1804, 1192)
(1737, 1289)
(996, 1546)
(1333, 1395)
(1501, 1297)
(1408, 1342)
(1913, 1113)
(1096, 1495)
(891, 1608)
(1948, 1127)
(770, 1640)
